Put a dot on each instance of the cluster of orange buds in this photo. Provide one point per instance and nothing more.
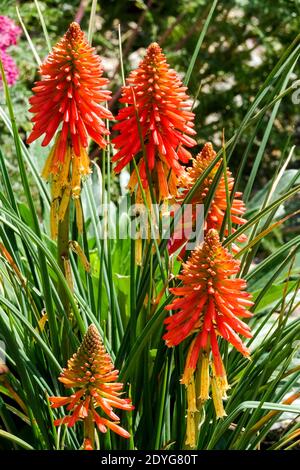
(155, 126)
(91, 374)
(69, 94)
(210, 304)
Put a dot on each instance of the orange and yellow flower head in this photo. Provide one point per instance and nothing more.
(91, 374)
(69, 98)
(70, 93)
(218, 206)
(158, 120)
(210, 305)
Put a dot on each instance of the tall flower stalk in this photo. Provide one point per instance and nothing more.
(154, 130)
(69, 94)
(209, 306)
(69, 99)
(92, 376)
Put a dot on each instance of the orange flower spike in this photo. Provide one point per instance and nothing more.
(208, 303)
(91, 373)
(218, 205)
(155, 93)
(70, 93)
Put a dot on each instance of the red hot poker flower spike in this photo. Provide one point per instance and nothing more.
(69, 95)
(209, 304)
(218, 205)
(91, 374)
(156, 95)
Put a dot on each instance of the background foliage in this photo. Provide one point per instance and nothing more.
(241, 47)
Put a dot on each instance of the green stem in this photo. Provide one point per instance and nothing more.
(63, 254)
(89, 429)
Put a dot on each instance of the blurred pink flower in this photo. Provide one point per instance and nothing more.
(10, 68)
(9, 32)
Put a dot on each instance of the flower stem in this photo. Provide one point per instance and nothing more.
(63, 255)
(89, 431)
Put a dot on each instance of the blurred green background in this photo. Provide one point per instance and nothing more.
(244, 41)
